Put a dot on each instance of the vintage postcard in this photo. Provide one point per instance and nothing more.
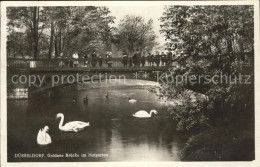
(134, 83)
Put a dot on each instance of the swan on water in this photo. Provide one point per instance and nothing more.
(74, 126)
(132, 100)
(144, 114)
(43, 138)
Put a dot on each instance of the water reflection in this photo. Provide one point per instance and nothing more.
(112, 130)
(19, 93)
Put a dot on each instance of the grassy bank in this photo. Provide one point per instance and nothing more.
(232, 140)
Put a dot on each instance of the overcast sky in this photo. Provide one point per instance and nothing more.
(147, 12)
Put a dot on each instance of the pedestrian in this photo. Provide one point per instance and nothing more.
(107, 56)
(67, 63)
(109, 62)
(71, 63)
(130, 61)
(169, 58)
(75, 57)
(125, 59)
(61, 63)
(143, 60)
(110, 54)
(135, 59)
(138, 58)
(86, 61)
(163, 58)
(152, 59)
(149, 59)
(100, 60)
(94, 59)
(157, 59)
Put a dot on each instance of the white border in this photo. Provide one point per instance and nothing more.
(3, 88)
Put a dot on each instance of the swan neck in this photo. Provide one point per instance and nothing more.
(61, 121)
(150, 113)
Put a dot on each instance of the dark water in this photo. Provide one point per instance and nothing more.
(113, 131)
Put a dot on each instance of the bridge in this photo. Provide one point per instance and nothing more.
(86, 65)
(90, 67)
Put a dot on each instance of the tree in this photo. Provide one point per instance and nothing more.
(134, 33)
(56, 19)
(210, 40)
(26, 19)
(87, 30)
(47, 30)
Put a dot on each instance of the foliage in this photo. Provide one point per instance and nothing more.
(234, 141)
(23, 20)
(209, 29)
(48, 31)
(191, 115)
(134, 33)
(214, 41)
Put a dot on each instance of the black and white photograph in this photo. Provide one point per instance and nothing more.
(129, 82)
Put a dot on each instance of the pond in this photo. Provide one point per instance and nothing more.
(113, 135)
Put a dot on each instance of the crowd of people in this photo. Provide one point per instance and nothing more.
(137, 60)
(150, 60)
(93, 60)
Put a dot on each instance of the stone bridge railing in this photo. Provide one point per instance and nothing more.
(87, 63)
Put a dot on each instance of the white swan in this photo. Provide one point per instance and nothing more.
(43, 138)
(74, 126)
(144, 114)
(132, 100)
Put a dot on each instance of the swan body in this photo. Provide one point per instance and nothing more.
(144, 114)
(132, 100)
(43, 138)
(73, 126)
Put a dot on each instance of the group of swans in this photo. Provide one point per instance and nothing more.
(85, 99)
(43, 138)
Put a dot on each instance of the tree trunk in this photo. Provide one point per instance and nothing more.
(14, 52)
(22, 51)
(56, 46)
(60, 42)
(229, 46)
(30, 43)
(35, 31)
(51, 39)
(242, 52)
